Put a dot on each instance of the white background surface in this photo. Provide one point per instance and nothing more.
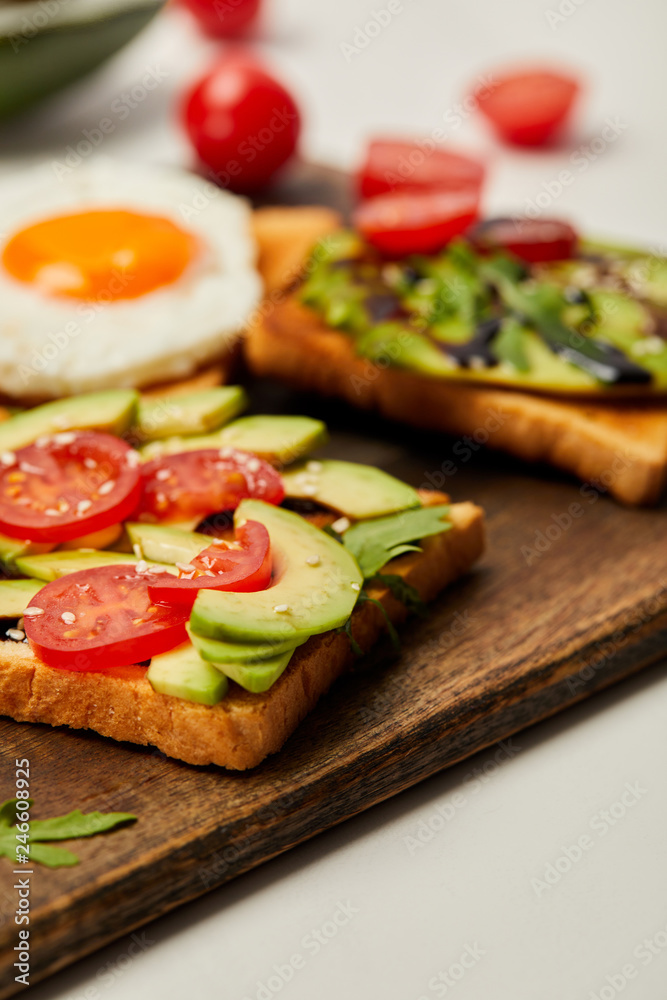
(418, 907)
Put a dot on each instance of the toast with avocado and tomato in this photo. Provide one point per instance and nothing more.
(189, 578)
(525, 339)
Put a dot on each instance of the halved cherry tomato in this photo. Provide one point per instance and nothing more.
(224, 18)
(194, 484)
(242, 566)
(102, 617)
(396, 165)
(419, 222)
(243, 124)
(528, 108)
(67, 485)
(534, 240)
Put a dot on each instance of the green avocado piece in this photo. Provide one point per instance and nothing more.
(55, 564)
(315, 585)
(112, 411)
(16, 595)
(183, 674)
(278, 439)
(256, 677)
(12, 549)
(165, 544)
(217, 651)
(196, 413)
(358, 491)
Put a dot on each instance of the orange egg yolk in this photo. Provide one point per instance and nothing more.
(102, 255)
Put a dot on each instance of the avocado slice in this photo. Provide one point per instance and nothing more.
(315, 586)
(55, 564)
(278, 439)
(112, 411)
(217, 651)
(195, 413)
(12, 549)
(256, 677)
(182, 673)
(166, 544)
(358, 491)
(16, 595)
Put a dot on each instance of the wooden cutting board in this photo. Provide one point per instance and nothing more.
(559, 607)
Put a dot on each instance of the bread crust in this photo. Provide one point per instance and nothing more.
(242, 729)
(622, 447)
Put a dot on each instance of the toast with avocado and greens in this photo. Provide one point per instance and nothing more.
(211, 644)
(563, 361)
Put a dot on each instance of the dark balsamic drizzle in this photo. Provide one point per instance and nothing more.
(477, 350)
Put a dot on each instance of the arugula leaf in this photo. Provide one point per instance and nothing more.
(403, 592)
(347, 629)
(74, 824)
(393, 634)
(375, 542)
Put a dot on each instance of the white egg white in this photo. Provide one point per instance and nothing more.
(53, 346)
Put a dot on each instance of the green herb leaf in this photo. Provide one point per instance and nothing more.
(393, 634)
(347, 629)
(375, 542)
(403, 592)
(74, 824)
(52, 857)
(77, 824)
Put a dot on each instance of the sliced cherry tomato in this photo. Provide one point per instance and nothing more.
(241, 567)
(102, 617)
(528, 108)
(419, 222)
(243, 124)
(224, 18)
(194, 484)
(67, 485)
(534, 240)
(395, 165)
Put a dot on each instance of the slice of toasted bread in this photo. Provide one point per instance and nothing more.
(243, 728)
(619, 447)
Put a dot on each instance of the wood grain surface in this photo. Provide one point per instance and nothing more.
(567, 600)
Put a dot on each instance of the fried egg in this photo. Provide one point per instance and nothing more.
(118, 275)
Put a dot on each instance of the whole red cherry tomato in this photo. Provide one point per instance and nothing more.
(224, 18)
(528, 108)
(243, 124)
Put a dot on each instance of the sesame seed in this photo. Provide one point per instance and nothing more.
(313, 561)
(281, 608)
(107, 487)
(253, 465)
(50, 512)
(142, 566)
(341, 525)
(90, 463)
(68, 617)
(309, 489)
(133, 458)
(16, 634)
(68, 437)
(162, 474)
(355, 586)
(34, 610)
(185, 567)
(83, 506)
(314, 467)
(136, 548)
(7, 458)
